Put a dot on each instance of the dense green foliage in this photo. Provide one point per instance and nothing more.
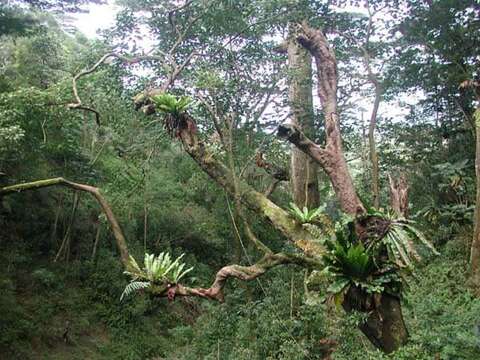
(61, 279)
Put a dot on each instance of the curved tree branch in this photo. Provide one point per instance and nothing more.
(245, 273)
(176, 70)
(116, 229)
(254, 200)
(215, 291)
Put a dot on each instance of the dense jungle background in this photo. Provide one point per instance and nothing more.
(176, 113)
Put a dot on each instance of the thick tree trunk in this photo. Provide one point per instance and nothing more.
(399, 195)
(475, 248)
(331, 157)
(384, 326)
(304, 170)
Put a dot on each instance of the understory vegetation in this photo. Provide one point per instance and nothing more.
(200, 202)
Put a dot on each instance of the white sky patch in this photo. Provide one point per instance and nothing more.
(98, 17)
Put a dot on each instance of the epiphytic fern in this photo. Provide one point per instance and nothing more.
(157, 270)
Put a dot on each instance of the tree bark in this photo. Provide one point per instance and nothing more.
(399, 195)
(384, 326)
(245, 273)
(254, 200)
(373, 151)
(304, 170)
(373, 78)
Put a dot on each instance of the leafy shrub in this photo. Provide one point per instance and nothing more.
(45, 278)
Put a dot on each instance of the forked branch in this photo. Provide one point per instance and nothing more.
(171, 77)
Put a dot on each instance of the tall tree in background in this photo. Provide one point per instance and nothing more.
(304, 171)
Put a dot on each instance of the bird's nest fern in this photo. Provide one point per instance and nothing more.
(374, 265)
(175, 110)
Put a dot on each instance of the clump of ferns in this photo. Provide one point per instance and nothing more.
(371, 267)
(158, 273)
(175, 110)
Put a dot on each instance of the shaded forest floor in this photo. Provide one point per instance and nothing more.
(40, 300)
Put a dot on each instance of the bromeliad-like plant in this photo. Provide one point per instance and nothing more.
(315, 221)
(349, 263)
(174, 109)
(305, 216)
(170, 104)
(158, 270)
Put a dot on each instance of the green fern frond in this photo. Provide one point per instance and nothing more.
(134, 286)
(304, 215)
